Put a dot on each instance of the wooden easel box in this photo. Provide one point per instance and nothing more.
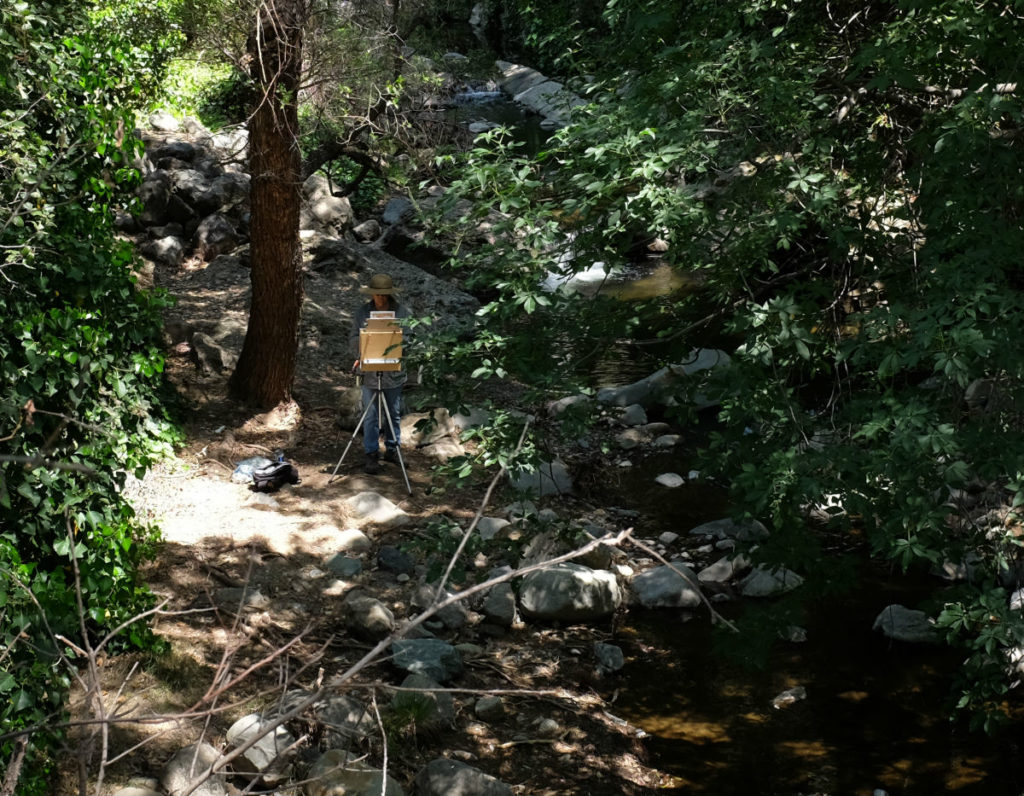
(380, 346)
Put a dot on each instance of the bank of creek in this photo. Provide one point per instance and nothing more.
(540, 703)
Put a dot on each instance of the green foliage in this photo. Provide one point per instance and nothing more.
(844, 185)
(80, 362)
(214, 94)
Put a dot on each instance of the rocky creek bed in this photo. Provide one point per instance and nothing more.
(300, 659)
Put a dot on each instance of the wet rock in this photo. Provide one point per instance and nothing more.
(906, 624)
(663, 587)
(764, 582)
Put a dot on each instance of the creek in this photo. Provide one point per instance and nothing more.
(876, 716)
(876, 712)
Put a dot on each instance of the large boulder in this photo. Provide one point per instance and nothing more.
(569, 592)
(665, 587)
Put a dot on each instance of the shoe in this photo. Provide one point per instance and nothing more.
(371, 465)
(391, 455)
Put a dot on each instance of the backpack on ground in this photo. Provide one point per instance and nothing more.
(274, 476)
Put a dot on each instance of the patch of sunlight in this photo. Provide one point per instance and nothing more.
(754, 718)
(969, 771)
(806, 750)
(691, 730)
(854, 696)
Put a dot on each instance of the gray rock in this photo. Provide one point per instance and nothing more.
(444, 777)
(398, 211)
(269, 753)
(214, 236)
(489, 708)
(659, 388)
(724, 569)
(394, 560)
(569, 592)
(906, 624)
(551, 478)
(353, 540)
(730, 529)
(210, 355)
(133, 791)
(367, 617)
(633, 415)
(163, 121)
(763, 582)
(432, 657)
(248, 597)
(556, 408)
(499, 605)
(346, 719)
(425, 702)
(187, 765)
(367, 232)
(334, 775)
(453, 617)
(489, 527)
(662, 587)
(609, 657)
(375, 508)
(169, 251)
(670, 480)
(345, 566)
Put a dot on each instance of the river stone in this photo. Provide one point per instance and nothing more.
(906, 624)
(333, 775)
(432, 657)
(609, 657)
(764, 582)
(670, 480)
(272, 745)
(392, 559)
(189, 763)
(345, 566)
(723, 569)
(444, 777)
(375, 508)
(346, 720)
(133, 791)
(489, 527)
(658, 388)
(730, 529)
(633, 415)
(426, 701)
(551, 478)
(367, 617)
(489, 708)
(662, 587)
(453, 616)
(353, 540)
(569, 592)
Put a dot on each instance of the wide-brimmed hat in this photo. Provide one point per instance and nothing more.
(380, 285)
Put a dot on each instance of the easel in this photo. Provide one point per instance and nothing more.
(380, 350)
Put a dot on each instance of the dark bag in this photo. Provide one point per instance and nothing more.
(274, 476)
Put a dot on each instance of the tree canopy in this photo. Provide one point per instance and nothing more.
(843, 180)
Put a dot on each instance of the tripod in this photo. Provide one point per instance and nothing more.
(382, 411)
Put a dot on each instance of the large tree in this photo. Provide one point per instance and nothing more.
(266, 367)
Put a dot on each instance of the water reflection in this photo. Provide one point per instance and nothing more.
(875, 714)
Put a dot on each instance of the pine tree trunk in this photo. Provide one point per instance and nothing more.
(266, 366)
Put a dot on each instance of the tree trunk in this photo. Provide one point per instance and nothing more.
(266, 366)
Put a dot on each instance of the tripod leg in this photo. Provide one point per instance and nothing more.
(394, 437)
(352, 439)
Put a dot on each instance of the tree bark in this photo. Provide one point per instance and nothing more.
(266, 367)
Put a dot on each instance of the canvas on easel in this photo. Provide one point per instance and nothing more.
(380, 343)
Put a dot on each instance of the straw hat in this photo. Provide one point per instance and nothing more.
(380, 285)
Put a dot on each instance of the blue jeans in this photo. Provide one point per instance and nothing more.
(372, 423)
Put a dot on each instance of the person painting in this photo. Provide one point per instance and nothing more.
(382, 292)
